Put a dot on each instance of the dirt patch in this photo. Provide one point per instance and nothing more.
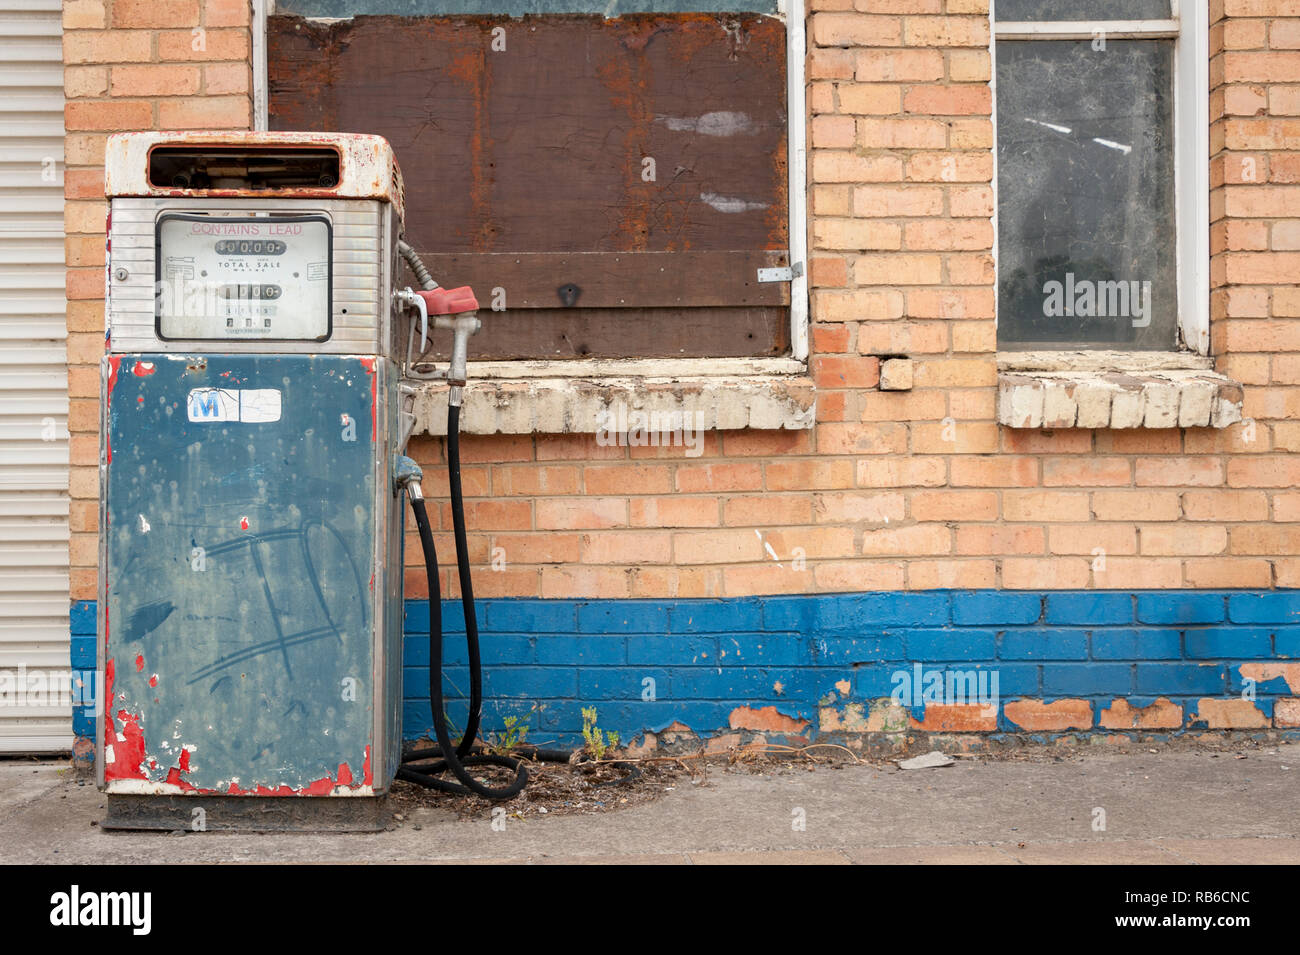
(562, 789)
(557, 789)
(1067, 746)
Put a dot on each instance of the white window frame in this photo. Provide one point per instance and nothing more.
(794, 13)
(1190, 27)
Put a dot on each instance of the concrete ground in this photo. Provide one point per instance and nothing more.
(1173, 806)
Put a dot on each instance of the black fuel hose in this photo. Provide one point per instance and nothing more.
(466, 582)
(425, 766)
(433, 762)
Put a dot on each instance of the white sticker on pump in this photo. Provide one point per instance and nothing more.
(213, 404)
(259, 405)
(250, 405)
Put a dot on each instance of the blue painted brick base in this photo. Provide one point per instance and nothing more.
(822, 660)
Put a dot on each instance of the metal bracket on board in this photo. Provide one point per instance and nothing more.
(786, 273)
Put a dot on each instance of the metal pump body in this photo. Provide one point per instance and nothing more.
(251, 520)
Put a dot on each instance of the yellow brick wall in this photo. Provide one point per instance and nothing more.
(890, 490)
(128, 65)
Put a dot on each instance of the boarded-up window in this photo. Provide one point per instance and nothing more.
(613, 184)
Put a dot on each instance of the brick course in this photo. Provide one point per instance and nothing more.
(891, 490)
(901, 241)
(128, 65)
(1070, 663)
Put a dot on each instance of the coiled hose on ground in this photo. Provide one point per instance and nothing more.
(425, 765)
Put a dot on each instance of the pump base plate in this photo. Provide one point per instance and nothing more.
(247, 813)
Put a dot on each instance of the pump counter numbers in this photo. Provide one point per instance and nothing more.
(253, 247)
(240, 277)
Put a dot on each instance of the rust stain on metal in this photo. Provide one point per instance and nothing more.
(367, 166)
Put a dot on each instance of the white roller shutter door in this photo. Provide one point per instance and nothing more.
(34, 640)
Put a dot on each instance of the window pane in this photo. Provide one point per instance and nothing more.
(1086, 230)
(1019, 10)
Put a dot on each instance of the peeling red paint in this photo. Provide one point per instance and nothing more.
(320, 787)
(139, 663)
(143, 369)
(153, 680)
(366, 776)
(108, 691)
(128, 752)
(369, 365)
(243, 523)
(174, 778)
(113, 362)
(175, 775)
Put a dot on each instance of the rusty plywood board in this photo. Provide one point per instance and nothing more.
(733, 332)
(541, 146)
(516, 8)
(563, 158)
(613, 279)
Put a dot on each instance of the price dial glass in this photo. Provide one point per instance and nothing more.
(243, 277)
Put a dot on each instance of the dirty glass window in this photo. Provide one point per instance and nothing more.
(1087, 230)
(1075, 10)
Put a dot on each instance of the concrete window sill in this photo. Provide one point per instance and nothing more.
(541, 405)
(1114, 390)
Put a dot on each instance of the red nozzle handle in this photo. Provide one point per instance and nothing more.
(449, 301)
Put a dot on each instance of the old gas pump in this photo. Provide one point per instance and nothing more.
(253, 478)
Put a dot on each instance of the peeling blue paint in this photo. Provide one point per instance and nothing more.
(241, 594)
(545, 659)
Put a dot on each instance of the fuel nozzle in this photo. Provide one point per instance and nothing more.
(449, 301)
(456, 309)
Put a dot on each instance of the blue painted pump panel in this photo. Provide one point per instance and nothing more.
(243, 581)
